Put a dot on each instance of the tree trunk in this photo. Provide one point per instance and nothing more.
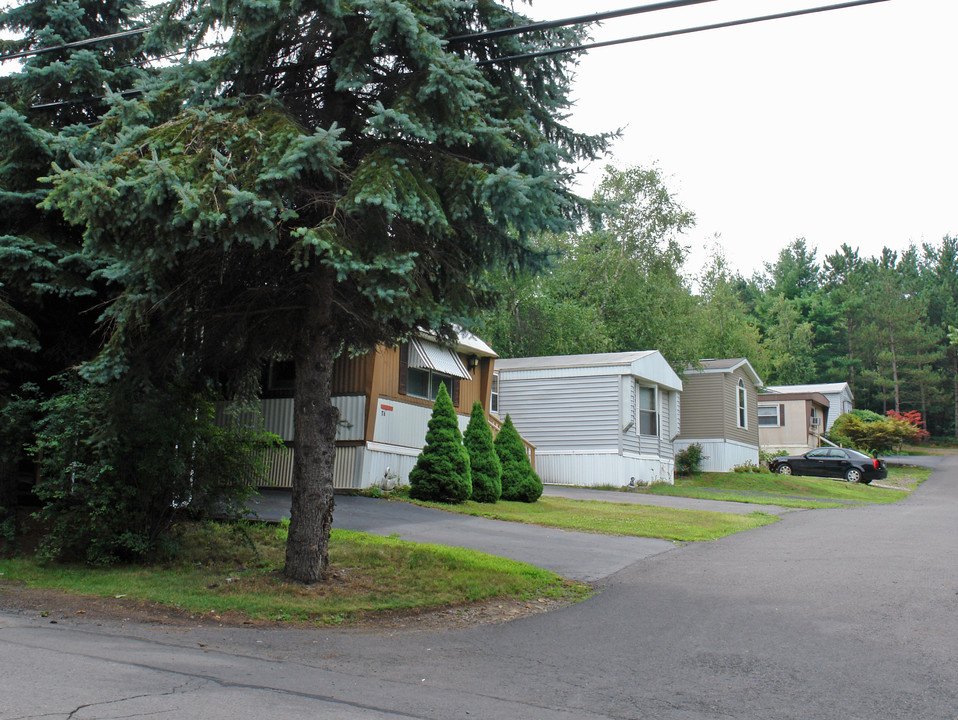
(954, 366)
(315, 419)
(894, 371)
(8, 498)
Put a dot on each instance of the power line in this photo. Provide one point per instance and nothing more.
(579, 20)
(556, 23)
(76, 43)
(671, 33)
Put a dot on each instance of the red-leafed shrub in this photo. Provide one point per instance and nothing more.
(912, 417)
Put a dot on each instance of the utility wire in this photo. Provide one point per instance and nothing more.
(576, 48)
(76, 43)
(671, 33)
(579, 20)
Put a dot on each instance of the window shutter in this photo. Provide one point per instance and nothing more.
(403, 367)
(455, 391)
(781, 415)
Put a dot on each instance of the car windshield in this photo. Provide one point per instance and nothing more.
(855, 455)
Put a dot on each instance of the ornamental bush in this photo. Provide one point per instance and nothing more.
(689, 460)
(483, 461)
(519, 480)
(876, 436)
(442, 472)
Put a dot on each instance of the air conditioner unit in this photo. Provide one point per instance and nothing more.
(816, 421)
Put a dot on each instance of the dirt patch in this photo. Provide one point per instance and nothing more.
(59, 607)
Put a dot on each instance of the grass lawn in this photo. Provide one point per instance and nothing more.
(790, 490)
(234, 570)
(611, 518)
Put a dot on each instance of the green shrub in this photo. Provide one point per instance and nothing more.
(118, 466)
(483, 461)
(519, 481)
(689, 460)
(877, 436)
(442, 472)
(766, 456)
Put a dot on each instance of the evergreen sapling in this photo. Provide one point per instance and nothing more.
(483, 460)
(519, 481)
(442, 471)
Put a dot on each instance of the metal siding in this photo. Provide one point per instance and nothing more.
(352, 417)
(665, 428)
(630, 439)
(345, 466)
(721, 455)
(562, 412)
(403, 424)
(591, 469)
(277, 417)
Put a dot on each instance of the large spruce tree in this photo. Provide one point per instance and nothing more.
(336, 174)
(48, 300)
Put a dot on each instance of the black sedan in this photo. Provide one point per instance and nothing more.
(845, 463)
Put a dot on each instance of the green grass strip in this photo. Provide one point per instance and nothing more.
(222, 570)
(611, 518)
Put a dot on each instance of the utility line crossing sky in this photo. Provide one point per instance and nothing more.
(837, 127)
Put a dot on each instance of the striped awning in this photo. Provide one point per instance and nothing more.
(430, 356)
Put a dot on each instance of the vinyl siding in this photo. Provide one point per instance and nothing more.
(703, 405)
(748, 435)
(563, 413)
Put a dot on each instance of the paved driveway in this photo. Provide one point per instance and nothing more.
(579, 556)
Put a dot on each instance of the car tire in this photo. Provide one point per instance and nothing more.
(854, 475)
(784, 469)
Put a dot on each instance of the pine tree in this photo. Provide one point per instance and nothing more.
(442, 471)
(519, 481)
(483, 460)
(48, 300)
(331, 178)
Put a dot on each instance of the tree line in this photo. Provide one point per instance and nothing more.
(884, 324)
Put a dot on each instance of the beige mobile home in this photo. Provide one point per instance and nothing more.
(840, 398)
(791, 421)
(600, 419)
(720, 413)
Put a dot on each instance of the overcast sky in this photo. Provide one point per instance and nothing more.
(836, 127)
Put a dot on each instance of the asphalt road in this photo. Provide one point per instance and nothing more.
(849, 613)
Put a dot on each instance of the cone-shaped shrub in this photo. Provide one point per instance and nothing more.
(483, 461)
(442, 472)
(519, 480)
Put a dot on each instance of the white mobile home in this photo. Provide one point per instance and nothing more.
(600, 419)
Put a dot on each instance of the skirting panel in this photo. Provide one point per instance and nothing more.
(603, 469)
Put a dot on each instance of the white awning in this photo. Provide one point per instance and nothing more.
(430, 356)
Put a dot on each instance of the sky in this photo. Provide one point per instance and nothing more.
(839, 127)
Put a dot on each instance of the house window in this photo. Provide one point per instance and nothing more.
(768, 416)
(742, 416)
(494, 394)
(425, 383)
(648, 418)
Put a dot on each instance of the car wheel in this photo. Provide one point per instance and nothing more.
(784, 469)
(853, 475)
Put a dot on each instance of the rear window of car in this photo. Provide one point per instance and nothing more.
(855, 455)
